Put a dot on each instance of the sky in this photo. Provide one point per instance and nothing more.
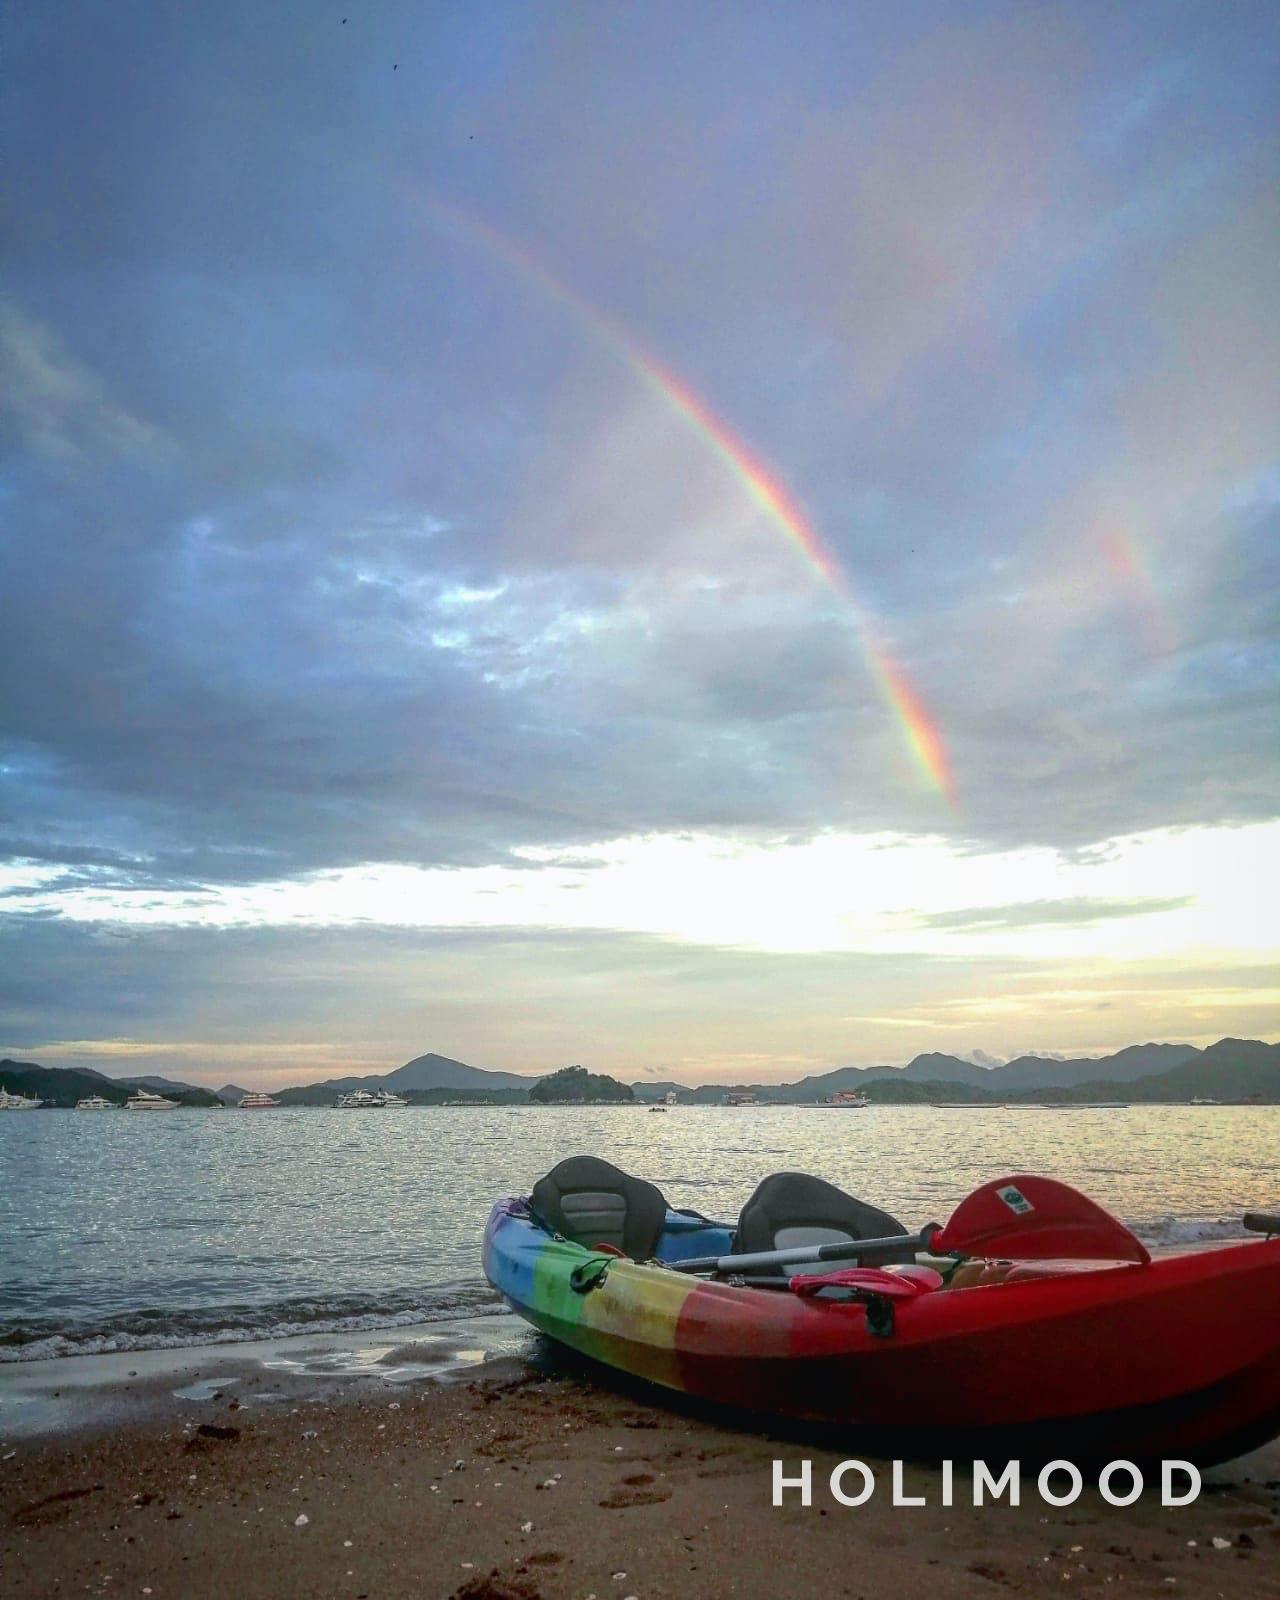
(710, 541)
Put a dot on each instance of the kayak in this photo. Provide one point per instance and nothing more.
(1177, 1355)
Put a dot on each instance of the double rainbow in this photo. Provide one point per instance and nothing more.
(763, 486)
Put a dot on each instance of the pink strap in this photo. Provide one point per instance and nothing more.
(903, 1284)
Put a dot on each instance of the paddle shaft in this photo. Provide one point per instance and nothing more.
(838, 1250)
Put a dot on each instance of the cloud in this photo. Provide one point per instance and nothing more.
(63, 409)
(1079, 912)
(330, 539)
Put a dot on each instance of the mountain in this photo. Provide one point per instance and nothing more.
(1232, 1069)
(231, 1094)
(1126, 1066)
(440, 1072)
(161, 1085)
(422, 1073)
(577, 1086)
(63, 1086)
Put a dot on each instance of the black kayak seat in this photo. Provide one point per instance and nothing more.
(593, 1202)
(793, 1208)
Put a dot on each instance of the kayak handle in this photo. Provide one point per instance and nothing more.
(1262, 1221)
(838, 1250)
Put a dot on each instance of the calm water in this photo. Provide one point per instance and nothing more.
(120, 1231)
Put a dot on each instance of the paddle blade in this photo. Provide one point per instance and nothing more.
(1036, 1219)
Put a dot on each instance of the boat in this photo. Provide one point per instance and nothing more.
(19, 1102)
(258, 1102)
(95, 1102)
(1032, 1322)
(846, 1100)
(144, 1100)
(366, 1100)
(740, 1097)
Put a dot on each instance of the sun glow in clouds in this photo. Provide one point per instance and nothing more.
(764, 487)
(1182, 893)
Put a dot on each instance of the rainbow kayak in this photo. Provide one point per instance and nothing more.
(1141, 1357)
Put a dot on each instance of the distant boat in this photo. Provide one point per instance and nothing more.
(144, 1100)
(658, 1108)
(258, 1102)
(389, 1101)
(95, 1102)
(18, 1102)
(740, 1097)
(846, 1100)
(672, 1098)
(363, 1100)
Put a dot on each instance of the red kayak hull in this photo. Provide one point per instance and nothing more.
(1176, 1357)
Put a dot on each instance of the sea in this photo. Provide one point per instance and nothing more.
(121, 1231)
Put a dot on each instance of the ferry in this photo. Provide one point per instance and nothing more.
(258, 1102)
(18, 1102)
(144, 1100)
(95, 1102)
(846, 1100)
(740, 1097)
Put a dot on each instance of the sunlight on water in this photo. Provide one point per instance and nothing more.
(118, 1231)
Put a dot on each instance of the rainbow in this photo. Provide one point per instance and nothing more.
(923, 735)
(1123, 554)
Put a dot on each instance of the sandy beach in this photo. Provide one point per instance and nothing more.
(465, 1462)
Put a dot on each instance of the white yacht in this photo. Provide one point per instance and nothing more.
(363, 1100)
(95, 1102)
(18, 1102)
(258, 1102)
(144, 1100)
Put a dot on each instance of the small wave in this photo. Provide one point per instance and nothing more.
(42, 1340)
(1170, 1229)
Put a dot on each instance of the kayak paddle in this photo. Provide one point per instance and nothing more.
(838, 1250)
(1036, 1219)
(1023, 1217)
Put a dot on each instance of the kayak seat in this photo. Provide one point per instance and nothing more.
(792, 1208)
(593, 1202)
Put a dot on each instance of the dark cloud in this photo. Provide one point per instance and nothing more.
(1078, 912)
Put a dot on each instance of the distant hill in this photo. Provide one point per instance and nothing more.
(63, 1086)
(1233, 1069)
(1126, 1066)
(440, 1072)
(161, 1085)
(577, 1086)
(900, 1092)
(423, 1072)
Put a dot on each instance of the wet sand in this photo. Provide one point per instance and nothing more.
(407, 1466)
